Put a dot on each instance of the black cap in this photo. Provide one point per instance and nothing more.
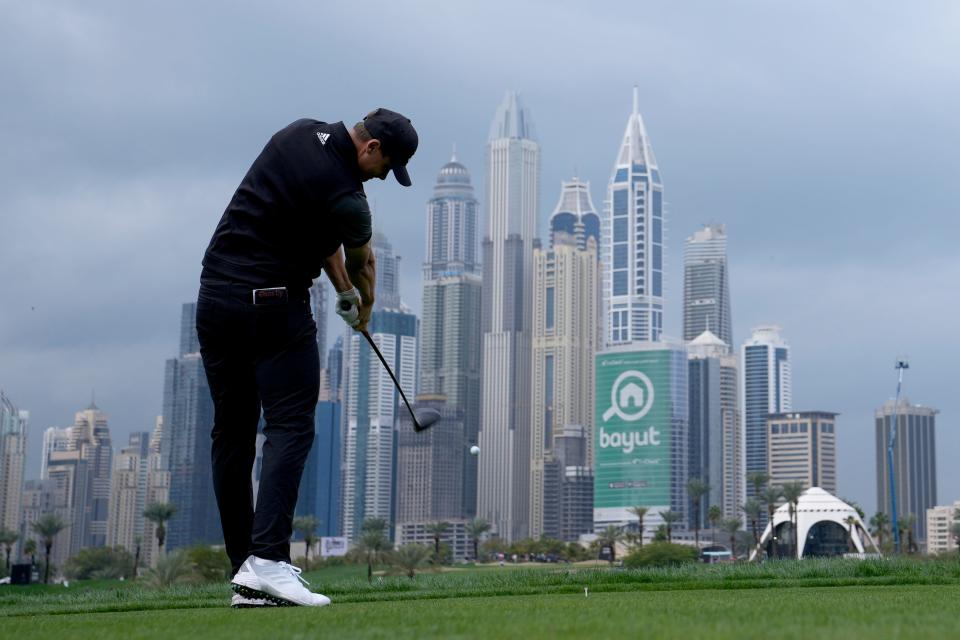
(397, 137)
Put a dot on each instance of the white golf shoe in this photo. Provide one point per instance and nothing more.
(243, 602)
(278, 582)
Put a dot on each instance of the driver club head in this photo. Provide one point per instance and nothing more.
(426, 418)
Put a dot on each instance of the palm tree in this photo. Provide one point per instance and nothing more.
(640, 512)
(47, 527)
(851, 522)
(475, 529)
(609, 538)
(670, 518)
(437, 530)
(696, 489)
(158, 513)
(8, 538)
(791, 493)
(715, 516)
(770, 496)
(906, 524)
(30, 549)
(758, 479)
(307, 526)
(409, 558)
(751, 508)
(879, 522)
(730, 527)
(373, 541)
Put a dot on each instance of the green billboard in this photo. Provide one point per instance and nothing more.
(632, 432)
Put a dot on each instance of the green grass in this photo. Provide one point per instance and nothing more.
(830, 599)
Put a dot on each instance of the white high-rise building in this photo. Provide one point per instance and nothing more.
(632, 241)
(54, 439)
(128, 492)
(706, 284)
(566, 317)
(512, 193)
(940, 523)
(371, 401)
(764, 389)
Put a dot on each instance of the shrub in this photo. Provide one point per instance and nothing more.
(209, 564)
(99, 563)
(660, 554)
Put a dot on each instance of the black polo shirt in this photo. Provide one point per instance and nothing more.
(302, 198)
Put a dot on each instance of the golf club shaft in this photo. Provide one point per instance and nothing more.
(396, 383)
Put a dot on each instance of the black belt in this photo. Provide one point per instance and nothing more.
(261, 296)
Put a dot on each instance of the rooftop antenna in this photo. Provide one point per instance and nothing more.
(899, 366)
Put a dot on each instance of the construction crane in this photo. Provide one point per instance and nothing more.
(900, 366)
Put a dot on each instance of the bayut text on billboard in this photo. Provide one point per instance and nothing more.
(632, 431)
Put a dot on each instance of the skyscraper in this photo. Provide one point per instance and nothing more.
(632, 240)
(54, 439)
(187, 424)
(450, 332)
(13, 446)
(82, 477)
(157, 491)
(128, 492)
(566, 316)
(513, 186)
(802, 447)
(764, 389)
(706, 435)
(335, 370)
(319, 292)
(371, 401)
(914, 461)
(430, 466)
(320, 486)
(706, 284)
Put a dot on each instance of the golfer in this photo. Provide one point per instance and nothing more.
(300, 202)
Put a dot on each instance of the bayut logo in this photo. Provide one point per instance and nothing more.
(631, 397)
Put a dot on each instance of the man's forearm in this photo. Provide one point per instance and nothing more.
(337, 272)
(363, 277)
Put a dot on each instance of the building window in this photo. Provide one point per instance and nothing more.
(550, 314)
(620, 202)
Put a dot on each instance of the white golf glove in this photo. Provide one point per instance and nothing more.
(348, 306)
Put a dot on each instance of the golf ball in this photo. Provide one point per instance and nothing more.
(474, 450)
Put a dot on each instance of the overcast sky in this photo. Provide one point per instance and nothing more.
(824, 134)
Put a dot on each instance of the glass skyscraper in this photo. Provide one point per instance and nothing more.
(914, 462)
(632, 241)
(185, 444)
(706, 285)
(764, 389)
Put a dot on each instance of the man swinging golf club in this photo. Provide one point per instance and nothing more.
(298, 204)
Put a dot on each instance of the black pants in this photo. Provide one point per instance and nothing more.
(258, 356)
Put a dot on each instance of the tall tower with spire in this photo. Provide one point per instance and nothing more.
(512, 200)
(450, 329)
(632, 240)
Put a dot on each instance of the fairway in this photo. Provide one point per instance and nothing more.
(816, 612)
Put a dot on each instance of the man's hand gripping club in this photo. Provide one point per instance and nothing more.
(355, 281)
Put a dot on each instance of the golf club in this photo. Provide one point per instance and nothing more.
(428, 417)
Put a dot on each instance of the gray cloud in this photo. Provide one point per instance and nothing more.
(825, 136)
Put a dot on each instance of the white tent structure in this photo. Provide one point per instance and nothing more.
(827, 526)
